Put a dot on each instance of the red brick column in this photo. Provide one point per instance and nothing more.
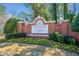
(20, 26)
(50, 27)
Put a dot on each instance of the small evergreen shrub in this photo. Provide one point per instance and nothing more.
(61, 38)
(54, 36)
(66, 38)
(8, 36)
(71, 41)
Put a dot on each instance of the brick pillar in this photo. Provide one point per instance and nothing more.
(20, 26)
(64, 27)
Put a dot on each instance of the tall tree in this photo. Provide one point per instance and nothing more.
(25, 16)
(75, 24)
(10, 26)
(11, 12)
(43, 11)
(2, 18)
(39, 9)
(65, 10)
(74, 8)
(53, 11)
(2, 10)
(71, 17)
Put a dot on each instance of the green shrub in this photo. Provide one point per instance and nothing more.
(71, 41)
(15, 35)
(61, 38)
(57, 37)
(2, 40)
(54, 36)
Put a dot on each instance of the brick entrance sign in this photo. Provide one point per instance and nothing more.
(41, 28)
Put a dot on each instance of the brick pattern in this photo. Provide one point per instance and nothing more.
(52, 27)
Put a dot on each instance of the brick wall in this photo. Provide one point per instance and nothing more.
(52, 27)
(20, 26)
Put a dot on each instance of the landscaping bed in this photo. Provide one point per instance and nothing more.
(20, 49)
(44, 42)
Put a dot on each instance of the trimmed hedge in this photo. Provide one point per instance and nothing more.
(15, 35)
(55, 36)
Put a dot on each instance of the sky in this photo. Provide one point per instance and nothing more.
(71, 7)
(15, 8)
(19, 7)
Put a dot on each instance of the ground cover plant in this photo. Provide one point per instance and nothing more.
(43, 42)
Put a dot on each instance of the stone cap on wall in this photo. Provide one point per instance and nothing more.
(20, 21)
(36, 19)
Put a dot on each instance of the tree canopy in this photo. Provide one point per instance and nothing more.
(53, 11)
(39, 9)
(10, 26)
(75, 24)
(2, 9)
(24, 16)
(65, 9)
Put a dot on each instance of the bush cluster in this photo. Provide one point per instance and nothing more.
(15, 35)
(58, 37)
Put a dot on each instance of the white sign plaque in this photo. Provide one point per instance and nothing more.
(39, 27)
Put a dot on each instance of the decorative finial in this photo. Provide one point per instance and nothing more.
(39, 16)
